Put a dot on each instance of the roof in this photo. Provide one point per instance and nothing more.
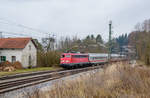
(16, 43)
(75, 53)
(103, 54)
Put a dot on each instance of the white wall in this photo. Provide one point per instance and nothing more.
(22, 55)
(9, 53)
(26, 52)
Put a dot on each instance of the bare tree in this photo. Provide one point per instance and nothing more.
(48, 43)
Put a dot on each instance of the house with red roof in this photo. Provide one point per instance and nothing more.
(23, 50)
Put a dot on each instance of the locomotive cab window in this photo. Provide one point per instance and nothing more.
(62, 56)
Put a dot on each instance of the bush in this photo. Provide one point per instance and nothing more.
(6, 63)
(17, 65)
(48, 59)
(116, 81)
(30, 66)
(6, 66)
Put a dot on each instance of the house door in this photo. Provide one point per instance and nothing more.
(29, 60)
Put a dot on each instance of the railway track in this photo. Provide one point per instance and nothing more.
(20, 81)
(27, 74)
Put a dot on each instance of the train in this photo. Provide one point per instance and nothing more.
(77, 60)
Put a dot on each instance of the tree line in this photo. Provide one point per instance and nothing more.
(50, 49)
(140, 39)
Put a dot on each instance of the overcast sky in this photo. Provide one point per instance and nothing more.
(72, 17)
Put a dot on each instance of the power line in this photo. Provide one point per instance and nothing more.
(8, 35)
(29, 28)
(4, 21)
(17, 34)
(22, 26)
(8, 22)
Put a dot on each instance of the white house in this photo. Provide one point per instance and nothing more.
(23, 50)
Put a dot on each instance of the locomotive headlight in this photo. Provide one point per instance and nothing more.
(62, 60)
(67, 61)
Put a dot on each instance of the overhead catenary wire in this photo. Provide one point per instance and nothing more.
(12, 23)
(4, 21)
(17, 34)
(33, 29)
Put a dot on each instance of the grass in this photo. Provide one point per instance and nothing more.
(116, 81)
(18, 71)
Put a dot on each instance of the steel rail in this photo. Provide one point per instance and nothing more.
(26, 74)
(14, 84)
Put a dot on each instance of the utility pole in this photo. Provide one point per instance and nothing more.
(109, 53)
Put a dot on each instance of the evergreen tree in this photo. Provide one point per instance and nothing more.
(99, 39)
(92, 37)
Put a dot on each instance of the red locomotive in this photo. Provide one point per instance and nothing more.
(75, 60)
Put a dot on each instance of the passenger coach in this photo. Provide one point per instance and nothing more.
(98, 58)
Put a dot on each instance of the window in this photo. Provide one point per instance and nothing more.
(62, 56)
(29, 47)
(13, 59)
(76, 56)
(97, 58)
(68, 56)
(2, 58)
(83, 56)
(80, 56)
